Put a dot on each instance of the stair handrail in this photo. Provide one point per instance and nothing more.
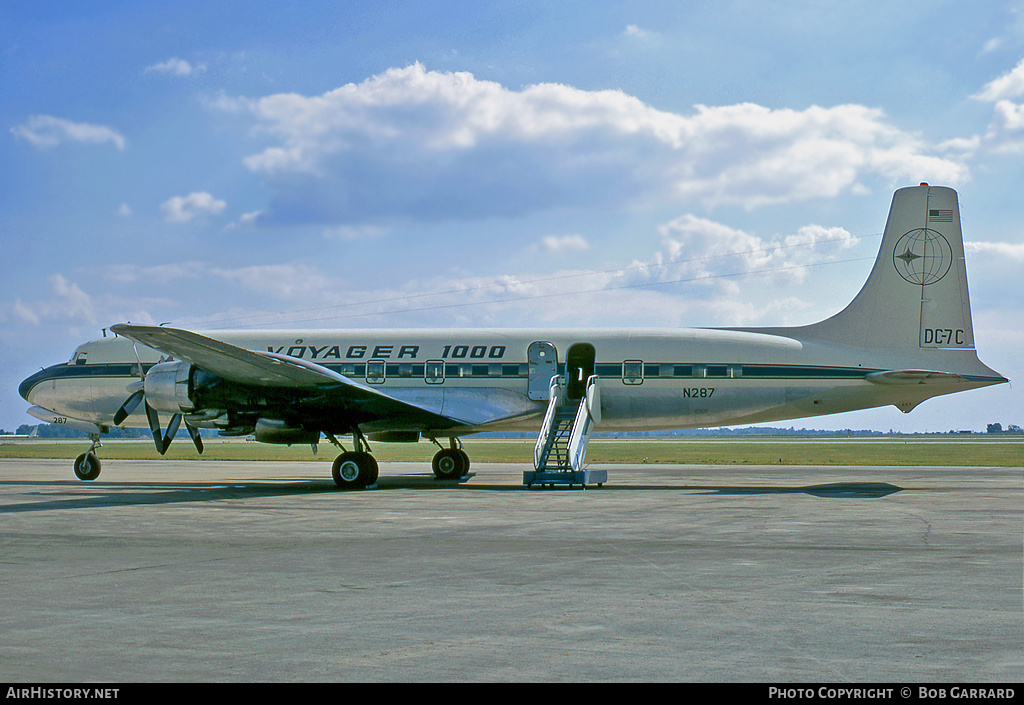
(583, 425)
(556, 391)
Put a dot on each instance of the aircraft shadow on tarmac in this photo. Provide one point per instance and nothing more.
(99, 494)
(853, 490)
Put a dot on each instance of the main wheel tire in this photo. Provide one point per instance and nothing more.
(374, 472)
(354, 471)
(87, 466)
(450, 464)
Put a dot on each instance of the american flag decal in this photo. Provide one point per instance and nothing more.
(940, 216)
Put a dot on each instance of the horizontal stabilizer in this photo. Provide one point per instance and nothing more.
(914, 377)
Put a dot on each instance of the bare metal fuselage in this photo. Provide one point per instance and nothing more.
(650, 379)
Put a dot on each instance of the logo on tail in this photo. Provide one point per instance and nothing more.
(922, 256)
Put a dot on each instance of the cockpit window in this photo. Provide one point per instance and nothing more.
(79, 358)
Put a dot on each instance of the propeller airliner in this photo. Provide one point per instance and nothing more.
(906, 337)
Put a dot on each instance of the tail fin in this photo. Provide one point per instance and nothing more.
(916, 295)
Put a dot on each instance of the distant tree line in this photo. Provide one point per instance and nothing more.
(49, 430)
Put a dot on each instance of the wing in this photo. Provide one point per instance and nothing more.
(316, 389)
(234, 363)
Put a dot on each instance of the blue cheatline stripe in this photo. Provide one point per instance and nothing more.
(652, 371)
(660, 370)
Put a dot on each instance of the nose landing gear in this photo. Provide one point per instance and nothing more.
(87, 465)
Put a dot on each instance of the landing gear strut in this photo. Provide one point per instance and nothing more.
(356, 469)
(87, 465)
(450, 463)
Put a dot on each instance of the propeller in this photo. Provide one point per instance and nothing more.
(137, 396)
(138, 391)
(162, 444)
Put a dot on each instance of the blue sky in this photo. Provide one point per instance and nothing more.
(569, 164)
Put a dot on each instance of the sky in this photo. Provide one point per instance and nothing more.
(498, 164)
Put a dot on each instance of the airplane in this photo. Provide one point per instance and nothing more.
(907, 336)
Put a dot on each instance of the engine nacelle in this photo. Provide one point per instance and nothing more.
(395, 436)
(169, 387)
(278, 431)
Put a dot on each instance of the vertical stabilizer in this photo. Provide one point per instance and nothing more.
(916, 294)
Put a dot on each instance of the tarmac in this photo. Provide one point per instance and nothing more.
(206, 571)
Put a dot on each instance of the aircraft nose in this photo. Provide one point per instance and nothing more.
(29, 383)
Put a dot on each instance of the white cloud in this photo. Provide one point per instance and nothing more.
(716, 257)
(66, 301)
(1009, 85)
(564, 243)
(181, 209)
(290, 282)
(158, 274)
(124, 210)
(1005, 133)
(416, 143)
(703, 273)
(355, 232)
(175, 67)
(633, 30)
(992, 44)
(1002, 250)
(245, 220)
(24, 312)
(46, 131)
(68, 309)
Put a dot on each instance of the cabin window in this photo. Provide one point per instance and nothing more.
(633, 372)
(434, 371)
(375, 371)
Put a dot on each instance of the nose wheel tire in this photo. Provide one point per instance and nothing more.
(87, 466)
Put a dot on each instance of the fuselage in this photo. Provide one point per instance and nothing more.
(650, 379)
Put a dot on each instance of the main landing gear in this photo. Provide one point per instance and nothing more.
(357, 469)
(450, 463)
(354, 469)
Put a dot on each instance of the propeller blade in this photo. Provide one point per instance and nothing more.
(194, 432)
(154, 426)
(128, 407)
(172, 430)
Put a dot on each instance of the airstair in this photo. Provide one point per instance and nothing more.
(560, 453)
